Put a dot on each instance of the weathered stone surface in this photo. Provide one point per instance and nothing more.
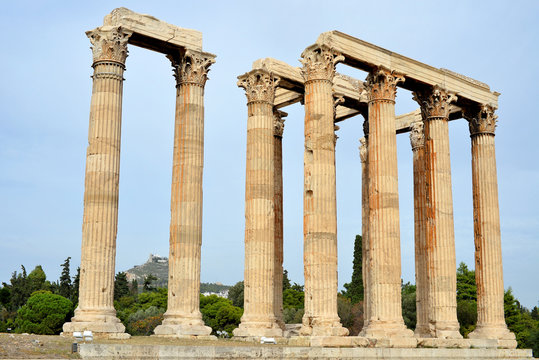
(260, 249)
(95, 310)
(183, 316)
(439, 256)
(319, 197)
(128, 352)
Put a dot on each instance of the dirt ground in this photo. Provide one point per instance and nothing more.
(24, 346)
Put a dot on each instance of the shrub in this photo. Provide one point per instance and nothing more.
(44, 313)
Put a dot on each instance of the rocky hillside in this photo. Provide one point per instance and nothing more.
(158, 266)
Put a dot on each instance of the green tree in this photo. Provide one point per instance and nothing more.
(121, 286)
(467, 316)
(44, 313)
(235, 294)
(133, 287)
(20, 291)
(535, 313)
(286, 280)
(466, 286)
(37, 280)
(76, 283)
(5, 296)
(65, 286)
(354, 290)
(293, 299)
(408, 300)
(219, 313)
(148, 281)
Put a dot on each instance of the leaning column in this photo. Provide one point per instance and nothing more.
(259, 317)
(385, 316)
(435, 104)
(320, 204)
(95, 311)
(417, 140)
(183, 317)
(278, 211)
(488, 252)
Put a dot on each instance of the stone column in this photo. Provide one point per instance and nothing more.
(278, 211)
(95, 311)
(417, 140)
(488, 252)
(385, 315)
(259, 317)
(183, 317)
(440, 236)
(320, 204)
(363, 149)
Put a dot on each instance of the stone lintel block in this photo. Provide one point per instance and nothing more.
(365, 56)
(395, 342)
(340, 341)
(152, 33)
(507, 344)
(255, 332)
(483, 343)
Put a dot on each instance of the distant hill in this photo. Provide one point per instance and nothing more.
(158, 266)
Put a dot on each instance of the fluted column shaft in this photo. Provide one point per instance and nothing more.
(383, 233)
(259, 318)
(363, 152)
(278, 212)
(440, 233)
(320, 203)
(417, 139)
(487, 236)
(95, 310)
(183, 315)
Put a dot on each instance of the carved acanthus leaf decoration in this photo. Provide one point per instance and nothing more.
(278, 123)
(381, 84)
(191, 67)
(417, 135)
(363, 149)
(434, 102)
(259, 85)
(481, 119)
(109, 43)
(319, 62)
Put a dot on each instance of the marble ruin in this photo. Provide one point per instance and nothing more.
(190, 65)
(328, 98)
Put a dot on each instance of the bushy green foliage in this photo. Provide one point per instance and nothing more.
(64, 287)
(293, 299)
(219, 313)
(121, 286)
(213, 288)
(408, 301)
(143, 322)
(354, 290)
(44, 313)
(293, 315)
(235, 294)
(466, 286)
(467, 316)
(128, 305)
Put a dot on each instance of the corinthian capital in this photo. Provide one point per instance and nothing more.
(381, 84)
(417, 135)
(259, 85)
(481, 119)
(109, 43)
(319, 62)
(191, 67)
(434, 102)
(278, 122)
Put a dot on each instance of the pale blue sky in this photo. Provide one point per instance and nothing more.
(44, 105)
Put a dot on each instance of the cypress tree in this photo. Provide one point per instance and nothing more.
(354, 289)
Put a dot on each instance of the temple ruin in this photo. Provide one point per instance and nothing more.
(328, 98)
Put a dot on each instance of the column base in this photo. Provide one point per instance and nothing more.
(446, 330)
(102, 324)
(500, 332)
(386, 329)
(177, 327)
(258, 329)
(319, 327)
